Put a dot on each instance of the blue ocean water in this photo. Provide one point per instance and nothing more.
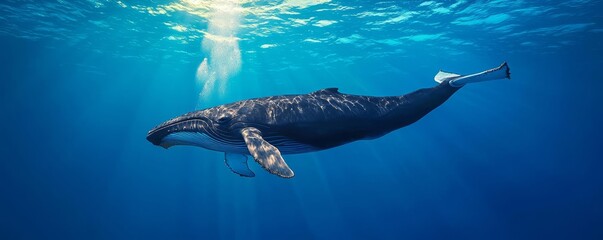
(81, 83)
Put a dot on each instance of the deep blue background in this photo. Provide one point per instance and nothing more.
(518, 159)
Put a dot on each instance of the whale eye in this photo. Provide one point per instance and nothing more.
(224, 119)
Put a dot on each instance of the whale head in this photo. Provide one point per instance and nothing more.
(215, 128)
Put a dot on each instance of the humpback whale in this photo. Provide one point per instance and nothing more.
(269, 127)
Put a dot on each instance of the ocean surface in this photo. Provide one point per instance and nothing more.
(81, 83)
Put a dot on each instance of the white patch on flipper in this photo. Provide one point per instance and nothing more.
(500, 72)
(268, 156)
(238, 164)
(442, 76)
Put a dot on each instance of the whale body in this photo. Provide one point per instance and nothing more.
(267, 128)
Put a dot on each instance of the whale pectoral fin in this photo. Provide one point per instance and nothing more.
(268, 156)
(238, 164)
(456, 80)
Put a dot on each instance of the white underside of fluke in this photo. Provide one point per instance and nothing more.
(457, 80)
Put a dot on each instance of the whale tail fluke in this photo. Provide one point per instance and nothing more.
(457, 80)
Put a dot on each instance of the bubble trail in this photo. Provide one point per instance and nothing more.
(221, 45)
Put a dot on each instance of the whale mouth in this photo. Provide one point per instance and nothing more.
(198, 132)
(157, 135)
(186, 138)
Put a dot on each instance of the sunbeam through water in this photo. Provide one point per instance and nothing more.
(221, 45)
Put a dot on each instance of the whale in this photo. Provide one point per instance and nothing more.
(269, 127)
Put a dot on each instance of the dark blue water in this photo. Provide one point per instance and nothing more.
(81, 83)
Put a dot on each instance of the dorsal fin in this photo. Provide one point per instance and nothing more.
(327, 91)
